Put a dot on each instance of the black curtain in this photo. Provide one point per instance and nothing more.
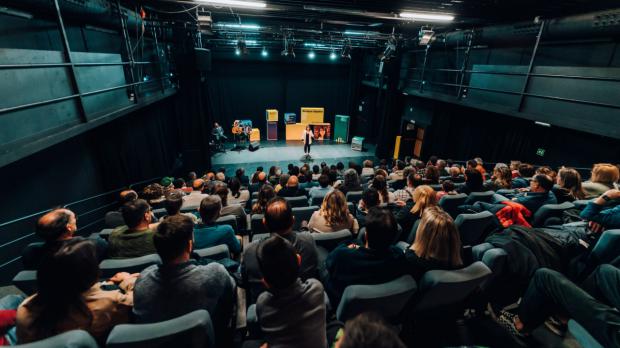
(389, 108)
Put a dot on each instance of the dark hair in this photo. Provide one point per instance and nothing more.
(278, 215)
(433, 160)
(381, 228)
(544, 181)
(235, 187)
(368, 330)
(379, 184)
(133, 212)
(127, 196)
(295, 171)
(447, 186)
(324, 180)
(400, 165)
(178, 183)
(210, 208)
(340, 166)
(323, 164)
(316, 169)
(50, 231)
(526, 170)
(153, 192)
(473, 179)
(265, 194)
(472, 163)
(239, 172)
(173, 202)
(277, 260)
(222, 191)
(62, 278)
(351, 179)
(432, 174)
(259, 168)
(272, 170)
(370, 198)
(172, 236)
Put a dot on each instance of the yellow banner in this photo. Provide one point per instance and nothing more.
(312, 115)
(272, 115)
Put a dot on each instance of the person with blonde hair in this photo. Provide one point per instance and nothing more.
(568, 186)
(333, 216)
(604, 177)
(437, 244)
(424, 196)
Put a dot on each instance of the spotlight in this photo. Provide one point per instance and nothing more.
(264, 53)
(311, 55)
(237, 52)
(425, 36)
(332, 55)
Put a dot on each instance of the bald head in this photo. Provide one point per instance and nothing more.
(58, 224)
(127, 196)
(279, 216)
(198, 184)
(293, 181)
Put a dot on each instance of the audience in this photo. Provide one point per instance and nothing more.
(173, 203)
(455, 175)
(236, 194)
(370, 199)
(333, 216)
(265, 194)
(368, 330)
(599, 215)
(136, 237)
(375, 261)
(351, 182)
(423, 197)
(292, 188)
(604, 177)
(321, 190)
(209, 233)
(538, 195)
(568, 186)
(525, 172)
(282, 181)
(69, 297)
(179, 286)
(240, 175)
(397, 172)
(192, 201)
(431, 175)
(406, 194)
(379, 184)
(447, 188)
(473, 182)
(368, 169)
(153, 194)
(235, 210)
(292, 312)
(114, 219)
(501, 179)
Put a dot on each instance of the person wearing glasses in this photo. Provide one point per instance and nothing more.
(135, 238)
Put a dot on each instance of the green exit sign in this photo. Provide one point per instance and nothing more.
(540, 152)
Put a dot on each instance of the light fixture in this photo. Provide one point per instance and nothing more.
(242, 48)
(427, 16)
(355, 33)
(238, 26)
(237, 52)
(289, 46)
(264, 53)
(332, 55)
(311, 55)
(236, 3)
(544, 124)
(425, 36)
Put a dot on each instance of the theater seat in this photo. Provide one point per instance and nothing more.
(351, 207)
(388, 299)
(486, 196)
(301, 201)
(362, 234)
(329, 240)
(474, 227)
(548, 211)
(217, 252)
(446, 290)
(192, 330)
(228, 220)
(354, 196)
(69, 339)
(436, 187)
(606, 249)
(110, 267)
(256, 224)
(105, 233)
(255, 194)
(317, 200)
(26, 281)
(495, 259)
(301, 214)
(451, 203)
(582, 336)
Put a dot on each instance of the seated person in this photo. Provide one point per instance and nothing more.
(568, 186)
(69, 296)
(424, 197)
(235, 210)
(237, 194)
(321, 190)
(265, 194)
(56, 228)
(208, 233)
(292, 312)
(114, 219)
(455, 174)
(279, 220)
(136, 237)
(370, 199)
(173, 203)
(179, 286)
(447, 188)
(292, 188)
(351, 182)
(368, 330)
(379, 184)
(595, 305)
(333, 216)
(437, 244)
(538, 194)
(599, 215)
(397, 171)
(406, 194)
(376, 261)
(473, 182)
(525, 172)
(604, 177)
(193, 199)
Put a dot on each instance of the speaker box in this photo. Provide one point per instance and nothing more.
(255, 145)
(203, 59)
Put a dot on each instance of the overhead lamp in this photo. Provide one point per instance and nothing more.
(311, 55)
(236, 3)
(264, 53)
(238, 26)
(332, 55)
(425, 36)
(289, 48)
(544, 124)
(427, 16)
(355, 33)
(237, 52)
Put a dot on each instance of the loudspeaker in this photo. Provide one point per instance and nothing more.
(255, 145)
(203, 59)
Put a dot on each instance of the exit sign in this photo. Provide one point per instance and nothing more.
(540, 152)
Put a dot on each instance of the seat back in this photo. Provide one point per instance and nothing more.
(192, 330)
(354, 196)
(301, 214)
(159, 212)
(450, 203)
(445, 289)
(496, 260)
(300, 201)
(228, 220)
(69, 339)
(582, 336)
(256, 223)
(362, 234)
(606, 249)
(255, 195)
(474, 197)
(329, 240)
(412, 233)
(317, 200)
(105, 233)
(474, 227)
(351, 207)
(364, 179)
(388, 299)
(110, 267)
(217, 252)
(26, 281)
(436, 187)
(550, 210)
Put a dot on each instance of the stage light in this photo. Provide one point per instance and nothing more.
(242, 48)
(332, 55)
(427, 16)
(264, 53)
(237, 26)
(237, 3)
(425, 36)
(355, 33)
(311, 55)
(289, 46)
(544, 124)
(237, 51)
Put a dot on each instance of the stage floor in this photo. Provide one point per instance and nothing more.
(281, 153)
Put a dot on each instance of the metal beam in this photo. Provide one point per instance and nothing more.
(428, 48)
(470, 36)
(127, 45)
(531, 66)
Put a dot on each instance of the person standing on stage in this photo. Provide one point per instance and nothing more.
(218, 132)
(307, 138)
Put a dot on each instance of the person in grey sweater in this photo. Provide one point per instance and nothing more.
(178, 286)
(291, 313)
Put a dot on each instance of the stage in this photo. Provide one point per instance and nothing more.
(281, 153)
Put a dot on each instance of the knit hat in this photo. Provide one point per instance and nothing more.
(166, 181)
